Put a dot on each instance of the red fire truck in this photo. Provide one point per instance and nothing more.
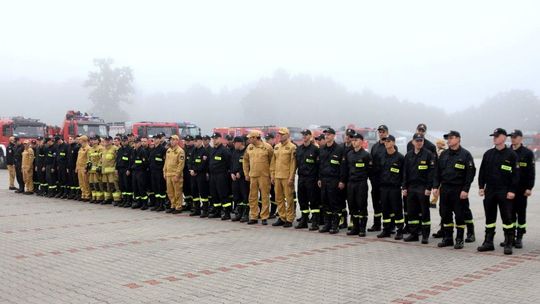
(21, 127)
(148, 129)
(532, 141)
(78, 123)
(369, 134)
(295, 132)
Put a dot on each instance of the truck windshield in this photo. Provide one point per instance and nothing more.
(151, 131)
(93, 130)
(28, 131)
(193, 131)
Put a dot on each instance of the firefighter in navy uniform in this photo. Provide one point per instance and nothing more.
(219, 162)
(139, 170)
(309, 197)
(526, 184)
(240, 187)
(270, 138)
(10, 162)
(454, 174)
(331, 181)
(198, 170)
(357, 166)
(39, 171)
(17, 159)
(418, 170)
(347, 146)
(188, 196)
(498, 181)
(157, 160)
(61, 167)
(73, 181)
(422, 129)
(391, 177)
(123, 161)
(50, 168)
(378, 151)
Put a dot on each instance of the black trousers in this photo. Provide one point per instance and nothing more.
(240, 191)
(519, 210)
(125, 183)
(199, 188)
(51, 177)
(309, 197)
(452, 206)
(219, 189)
(492, 200)
(19, 176)
(376, 198)
(62, 175)
(186, 187)
(357, 197)
(418, 203)
(330, 200)
(157, 182)
(392, 205)
(139, 186)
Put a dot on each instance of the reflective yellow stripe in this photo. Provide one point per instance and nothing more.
(217, 157)
(459, 166)
(394, 170)
(360, 165)
(334, 162)
(138, 161)
(108, 170)
(62, 154)
(387, 221)
(125, 158)
(461, 226)
(315, 210)
(521, 226)
(506, 168)
(377, 215)
(508, 226)
(401, 221)
(198, 160)
(469, 222)
(305, 211)
(491, 225)
(414, 222)
(521, 164)
(426, 223)
(310, 161)
(422, 167)
(158, 159)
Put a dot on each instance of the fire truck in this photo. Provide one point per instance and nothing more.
(188, 128)
(78, 123)
(295, 132)
(532, 141)
(148, 128)
(24, 128)
(369, 134)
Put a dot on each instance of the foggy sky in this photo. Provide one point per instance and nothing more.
(452, 54)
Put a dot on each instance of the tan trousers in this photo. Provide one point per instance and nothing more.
(285, 199)
(83, 183)
(11, 169)
(174, 192)
(257, 184)
(28, 178)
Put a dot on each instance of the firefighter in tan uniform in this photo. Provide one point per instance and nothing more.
(28, 167)
(108, 172)
(81, 168)
(94, 174)
(173, 171)
(282, 173)
(256, 167)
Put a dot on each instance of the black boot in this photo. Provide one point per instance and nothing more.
(327, 223)
(137, 204)
(195, 209)
(413, 236)
(470, 233)
(355, 226)
(215, 212)
(237, 213)
(425, 233)
(488, 241)
(303, 223)
(334, 226)
(459, 238)
(386, 231)
(314, 221)
(362, 226)
(448, 237)
(245, 215)
(188, 205)
(518, 242)
(279, 222)
(509, 236)
(204, 210)
(226, 213)
(440, 233)
(273, 209)
(144, 205)
(158, 205)
(399, 232)
(376, 224)
(129, 202)
(344, 220)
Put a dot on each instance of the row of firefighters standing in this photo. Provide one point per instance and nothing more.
(142, 173)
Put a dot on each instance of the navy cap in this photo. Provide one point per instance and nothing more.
(216, 135)
(452, 133)
(188, 138)
(239, 139)
(197, 137)
(40, 138)
(498, 131)
(57, 138)
(358, 136)
(350, 132)
(320, 137)
(417, 136)
(206, 137)
(382, 127)
(124, 137)
(269, 136)
(330, 131)
(421, 126)
(516, 133)
(390, 138)
(306, 132)
(229, 137)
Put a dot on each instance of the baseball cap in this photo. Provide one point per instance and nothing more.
(417, 136)
(421, 126)
(216, 135)
(198, 137)
(175, 137)
(498, 131)
(516, 133)
(330, 131)
(358, 136)
(350, 132)
(269, 136)
(229, 137)
(306, 132)
(382, 127)
(283, 131)
(188, 138)
(452, 133)
(254, 133)
(390, 138)
(238, 139)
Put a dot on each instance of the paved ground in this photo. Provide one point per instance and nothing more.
(56, 251)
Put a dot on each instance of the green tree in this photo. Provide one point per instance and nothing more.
(110, 88)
